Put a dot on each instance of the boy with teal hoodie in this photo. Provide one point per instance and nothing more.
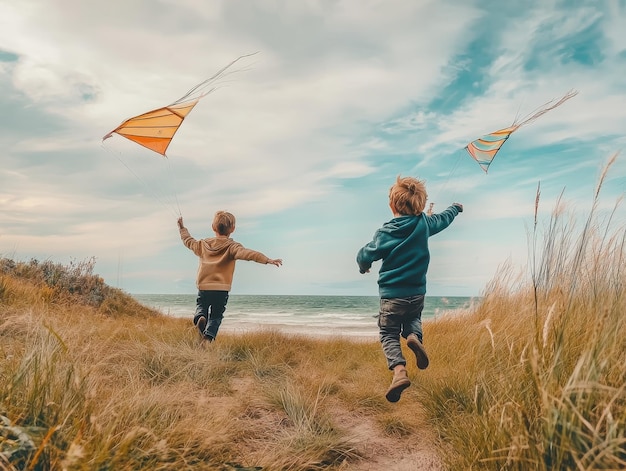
(402, 245)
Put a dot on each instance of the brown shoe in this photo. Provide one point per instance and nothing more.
(399, 383)
(418, 349)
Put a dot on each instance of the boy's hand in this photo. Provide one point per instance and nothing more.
(278, 262)
(180, 222)
(458, 205)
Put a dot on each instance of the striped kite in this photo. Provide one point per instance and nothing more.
(155, 129)
(484, 149)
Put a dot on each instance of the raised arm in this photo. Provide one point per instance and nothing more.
(189, 242)
(438, 222)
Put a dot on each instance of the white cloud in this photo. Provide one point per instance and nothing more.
(317, 123)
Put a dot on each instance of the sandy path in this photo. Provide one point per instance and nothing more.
(378, 452)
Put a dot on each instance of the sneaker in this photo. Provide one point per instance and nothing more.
(399, 383)
(201, 325)
(418, 349)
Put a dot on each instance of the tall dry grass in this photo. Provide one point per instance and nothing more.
(534, 378)
(85, 387)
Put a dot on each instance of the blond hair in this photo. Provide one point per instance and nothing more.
(408, 196)
(223, 223)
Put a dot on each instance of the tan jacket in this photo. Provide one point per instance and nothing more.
(217, 260)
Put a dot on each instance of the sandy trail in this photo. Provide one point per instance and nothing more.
(414, 451)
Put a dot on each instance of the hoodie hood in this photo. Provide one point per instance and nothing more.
(216, 245)
(402, 226)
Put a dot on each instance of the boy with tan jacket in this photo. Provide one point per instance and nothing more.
(217, 256)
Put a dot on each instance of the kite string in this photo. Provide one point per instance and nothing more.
(443, 185)
(143, 182)
(171, 172)
(454, 168)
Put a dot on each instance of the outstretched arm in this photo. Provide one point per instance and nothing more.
(239, 252)
(438, 222)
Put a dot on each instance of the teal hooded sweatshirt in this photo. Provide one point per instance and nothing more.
(402, 244)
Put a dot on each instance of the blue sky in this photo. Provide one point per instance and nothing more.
(304, 141)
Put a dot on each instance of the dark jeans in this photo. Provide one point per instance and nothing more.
(399, 316)
(211, 305)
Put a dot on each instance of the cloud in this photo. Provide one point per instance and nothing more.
(303, 140)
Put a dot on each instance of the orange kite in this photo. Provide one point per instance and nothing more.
(155, 129)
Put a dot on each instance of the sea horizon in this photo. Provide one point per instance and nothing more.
(328, 315)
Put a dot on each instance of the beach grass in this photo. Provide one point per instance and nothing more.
(532, 377)
(535, 376)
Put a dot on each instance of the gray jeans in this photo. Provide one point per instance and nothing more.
(399, 316)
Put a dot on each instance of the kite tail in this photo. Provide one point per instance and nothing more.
(543, 109)
(196, 91)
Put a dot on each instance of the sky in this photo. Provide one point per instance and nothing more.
(304, 139)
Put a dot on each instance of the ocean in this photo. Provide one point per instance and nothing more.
(316, 315)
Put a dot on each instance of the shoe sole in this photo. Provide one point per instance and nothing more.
(395, 391)
(420, 354)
